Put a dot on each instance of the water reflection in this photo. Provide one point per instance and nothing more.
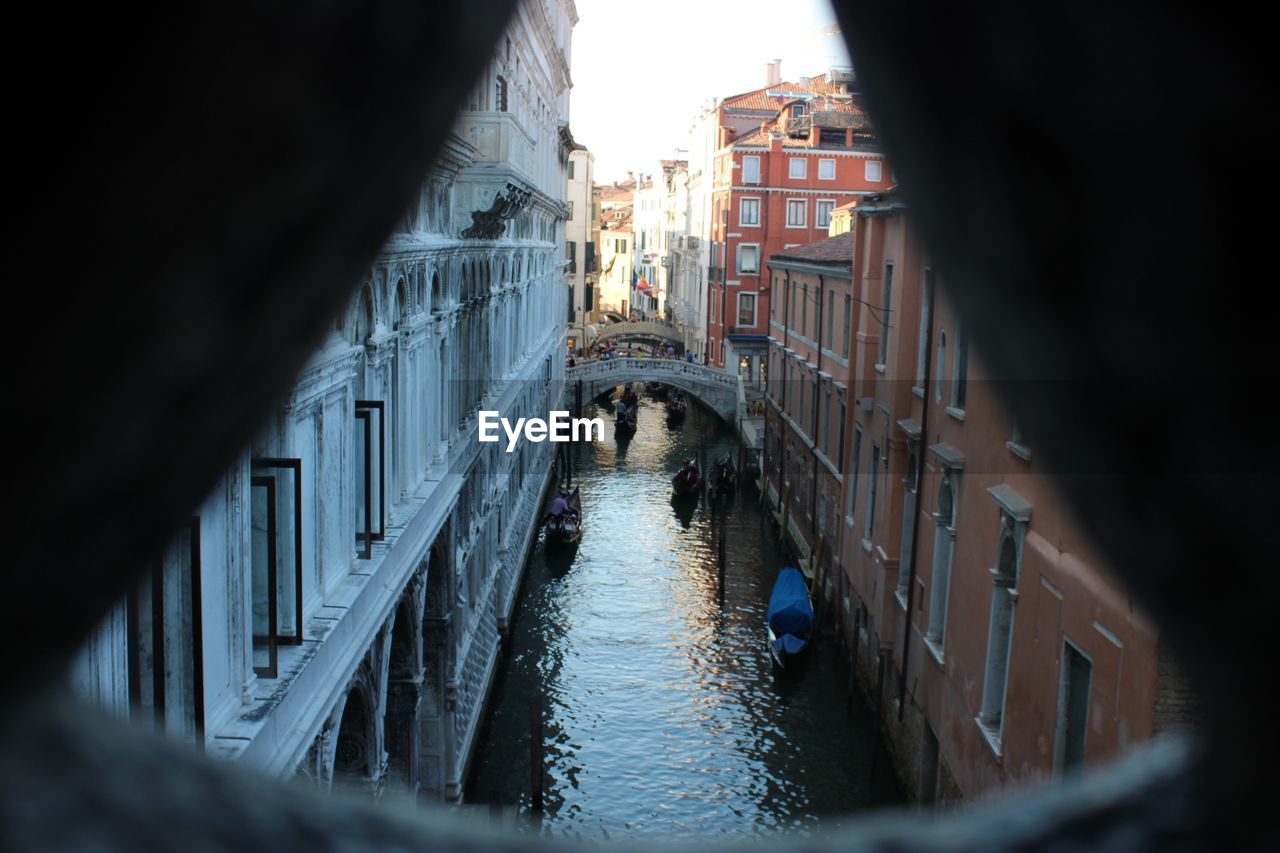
(663, 714)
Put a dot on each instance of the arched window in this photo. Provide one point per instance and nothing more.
(1015, 513)
(437, 297)
(943, 546)
(400, 311)
(362, 328)
(1000, 634)
(356, 747)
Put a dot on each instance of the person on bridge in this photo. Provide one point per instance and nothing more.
(671, 351)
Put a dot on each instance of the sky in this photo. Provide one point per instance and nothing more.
(642, 70)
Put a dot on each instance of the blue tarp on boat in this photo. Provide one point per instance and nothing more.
(790, 613)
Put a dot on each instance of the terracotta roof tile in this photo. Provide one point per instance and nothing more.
(837, 249)
(761, 100)
(617, 191)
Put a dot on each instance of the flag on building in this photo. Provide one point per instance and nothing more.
(642, 285)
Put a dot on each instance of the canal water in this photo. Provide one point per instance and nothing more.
(662, 713)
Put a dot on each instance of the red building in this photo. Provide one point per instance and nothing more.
(787, 155)
(964, 585)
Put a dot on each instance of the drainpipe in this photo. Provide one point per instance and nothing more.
(915, 523)
(786, 332)
(817, 410)
(781, 378)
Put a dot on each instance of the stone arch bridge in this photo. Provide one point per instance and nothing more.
(718, 389)
(646, 330)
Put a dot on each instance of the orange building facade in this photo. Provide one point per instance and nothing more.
(787, 155)
(1001, 652)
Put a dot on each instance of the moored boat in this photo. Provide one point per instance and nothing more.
(724, 474)
(790, 619)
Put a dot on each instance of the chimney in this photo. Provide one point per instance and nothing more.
(773, 72)
(804, 82)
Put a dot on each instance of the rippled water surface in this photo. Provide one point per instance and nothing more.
(662, 713)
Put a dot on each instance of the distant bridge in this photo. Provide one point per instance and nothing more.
(718, 389)
(647, 330)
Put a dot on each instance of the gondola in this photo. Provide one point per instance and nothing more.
(724, 474)
(564, 520)
(790, 617)
(676, 406)
(689, 479)
(624, 423)
(657, 389)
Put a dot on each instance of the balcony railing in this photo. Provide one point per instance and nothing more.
(799, 125)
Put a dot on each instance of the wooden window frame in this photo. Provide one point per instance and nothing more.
(295, 466)
(366, 537)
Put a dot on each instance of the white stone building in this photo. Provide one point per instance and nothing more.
(582, 248)
(335, 609)
(658, 222)
(692, 258)
(647, 236)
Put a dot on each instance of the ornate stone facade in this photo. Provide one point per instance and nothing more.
(336, 609)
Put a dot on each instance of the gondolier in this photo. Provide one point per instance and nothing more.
(688, 480)
(564, 519)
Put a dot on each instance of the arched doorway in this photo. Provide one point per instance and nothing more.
(435, 747)
(400, 720)
(355, 754)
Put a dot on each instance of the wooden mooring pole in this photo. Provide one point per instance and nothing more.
(875, 718)
(816, 587)
(703, 470)
(495, 806)
(853, 662)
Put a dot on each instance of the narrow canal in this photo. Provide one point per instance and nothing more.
(662, 713)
